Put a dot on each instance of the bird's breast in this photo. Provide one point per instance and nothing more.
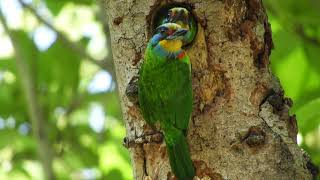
(171, 45)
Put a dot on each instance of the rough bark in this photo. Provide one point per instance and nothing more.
(240, 128)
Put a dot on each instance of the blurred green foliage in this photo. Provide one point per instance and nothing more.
(295, 61)
(80, 103)
(85, 125)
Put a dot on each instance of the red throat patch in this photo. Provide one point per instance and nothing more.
(181, 55)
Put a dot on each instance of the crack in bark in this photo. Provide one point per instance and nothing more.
(156, 137)
(265, 122)
(144, 154)
(286, 162)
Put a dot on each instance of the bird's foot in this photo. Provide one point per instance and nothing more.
(155, 137)
(132, 89)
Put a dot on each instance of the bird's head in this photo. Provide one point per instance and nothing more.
(169, 36)
(179, 15)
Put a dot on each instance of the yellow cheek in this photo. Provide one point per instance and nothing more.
(183, 25)
(171, 45)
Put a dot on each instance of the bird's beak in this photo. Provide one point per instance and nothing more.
(177, 34)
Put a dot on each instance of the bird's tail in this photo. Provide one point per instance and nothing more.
(179, 155)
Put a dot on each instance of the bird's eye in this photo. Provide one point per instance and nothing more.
(162, 31)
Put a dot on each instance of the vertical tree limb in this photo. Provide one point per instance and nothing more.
(241, 128)
(38, 121)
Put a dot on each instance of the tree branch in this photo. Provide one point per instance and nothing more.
(104, 20)
(294, 27)
(301, 32)
(105, 64)
(35, 111)
(79, 99)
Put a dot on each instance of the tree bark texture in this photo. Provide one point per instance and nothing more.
(240, 127)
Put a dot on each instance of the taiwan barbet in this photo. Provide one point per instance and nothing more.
(183, 17)
(165, 94)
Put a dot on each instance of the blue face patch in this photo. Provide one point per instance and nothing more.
(156, 39)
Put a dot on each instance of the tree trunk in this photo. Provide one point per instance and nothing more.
(240, 127)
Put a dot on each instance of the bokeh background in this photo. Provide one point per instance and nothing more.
(65, 47)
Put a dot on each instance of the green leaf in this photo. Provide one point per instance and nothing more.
(11, 94)
(309, 89)
(114, 174)
(56, 6)
(309, 116)
(312, 53)
(21, 143)
(7, 64)
(284, 44)
(58, 74)
(12, 101)
(306, 96)
(292, 82)
(109, 100)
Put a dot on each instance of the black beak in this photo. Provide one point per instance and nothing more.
(178, 33)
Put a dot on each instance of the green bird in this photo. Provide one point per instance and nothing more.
(184, 18)
(165, 94)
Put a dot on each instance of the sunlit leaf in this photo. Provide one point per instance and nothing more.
(58, 74)
(56, 6)
(309, 116)
(285, 42)
(312, 53)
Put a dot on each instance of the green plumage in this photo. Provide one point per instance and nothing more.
(165, 96)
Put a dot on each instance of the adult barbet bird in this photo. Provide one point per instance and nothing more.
(184, 18)
(165, 94)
